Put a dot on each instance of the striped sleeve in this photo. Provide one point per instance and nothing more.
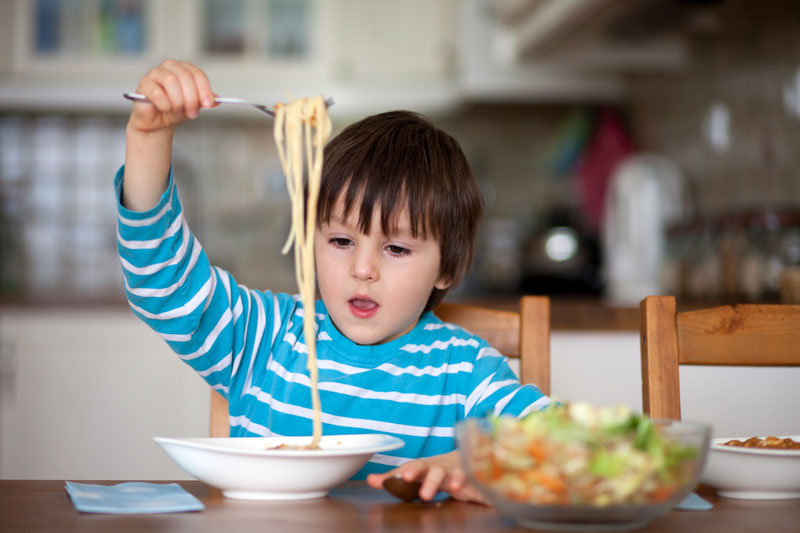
(495, 388)
(213, 324)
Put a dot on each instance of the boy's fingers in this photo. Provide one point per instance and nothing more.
(474, 495)
(458, 480)
(203, 86)
(178, 83)
(187, 86)
(171, 85)
(413, 470)
(155, 94)
(432, 483)
(376, 480)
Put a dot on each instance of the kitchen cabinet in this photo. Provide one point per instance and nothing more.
(370, 55)
(562, 50)
(598, 34)
(366, 54)
(82, 393)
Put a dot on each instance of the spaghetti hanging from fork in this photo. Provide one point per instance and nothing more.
(302, 127)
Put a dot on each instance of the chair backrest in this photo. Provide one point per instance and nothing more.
(524, 335)
(738, 334)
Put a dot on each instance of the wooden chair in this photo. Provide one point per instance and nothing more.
(740, 334)
(524, 335)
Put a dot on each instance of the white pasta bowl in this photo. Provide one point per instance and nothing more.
(246, 467)
(752, 473)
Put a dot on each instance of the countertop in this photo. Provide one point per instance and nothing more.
(571, 313)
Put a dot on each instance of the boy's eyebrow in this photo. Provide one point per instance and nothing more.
(399, 231)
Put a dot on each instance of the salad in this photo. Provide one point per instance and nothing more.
(578, 454)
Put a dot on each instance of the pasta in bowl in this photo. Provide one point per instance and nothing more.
(757, 472)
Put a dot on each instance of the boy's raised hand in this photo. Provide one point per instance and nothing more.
(438, 473)
(176, 90)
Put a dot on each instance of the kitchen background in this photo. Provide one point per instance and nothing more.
(623, 149)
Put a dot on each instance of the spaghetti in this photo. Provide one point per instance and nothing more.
(302, 127)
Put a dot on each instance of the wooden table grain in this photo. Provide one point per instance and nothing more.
(43, 505)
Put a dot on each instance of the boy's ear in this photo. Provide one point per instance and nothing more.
(443, 283)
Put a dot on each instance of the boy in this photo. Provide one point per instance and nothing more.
(397, 217)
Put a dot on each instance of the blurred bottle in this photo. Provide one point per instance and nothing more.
(789, 280)
(645, 196)
(705, 273)
(752, 261)
(773, 262)
(732, 243)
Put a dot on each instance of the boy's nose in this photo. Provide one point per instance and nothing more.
(364, 267)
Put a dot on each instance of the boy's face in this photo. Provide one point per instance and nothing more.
(374, 286)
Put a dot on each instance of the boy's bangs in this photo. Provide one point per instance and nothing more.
(363, 195)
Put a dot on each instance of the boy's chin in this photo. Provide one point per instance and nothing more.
(370, 332)
(368, 338)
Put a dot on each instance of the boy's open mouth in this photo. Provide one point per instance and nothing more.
(363, 307)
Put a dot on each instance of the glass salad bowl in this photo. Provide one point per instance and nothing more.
(580, 467)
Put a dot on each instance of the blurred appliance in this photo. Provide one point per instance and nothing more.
(560, 257)
(645, 195)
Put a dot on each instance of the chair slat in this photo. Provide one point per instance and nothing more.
(220, 426)
(659, 354)
(535, 341)
(745, 334)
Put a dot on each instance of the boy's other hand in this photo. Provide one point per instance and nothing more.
(176, 90)
(438, 473)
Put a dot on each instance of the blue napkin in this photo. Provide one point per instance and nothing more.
(132, 498)
(693, 502)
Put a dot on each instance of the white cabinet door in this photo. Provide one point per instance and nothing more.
(83, 393)
(408, 41)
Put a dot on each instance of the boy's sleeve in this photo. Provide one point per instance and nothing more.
(495, 388)
(209, 321)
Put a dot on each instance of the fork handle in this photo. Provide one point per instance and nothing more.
(136, 97)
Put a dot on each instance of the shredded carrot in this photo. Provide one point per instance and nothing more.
(551, 483)
(497, 470)
(536, 450)
(662, 493)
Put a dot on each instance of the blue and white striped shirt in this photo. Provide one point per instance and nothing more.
(249, 345)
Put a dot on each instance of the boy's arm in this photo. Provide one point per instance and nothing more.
(208, 320)
(175, 91)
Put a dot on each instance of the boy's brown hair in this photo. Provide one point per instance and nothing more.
(401, 160)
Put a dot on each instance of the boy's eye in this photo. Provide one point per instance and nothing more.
(340, 242)
(397, 250)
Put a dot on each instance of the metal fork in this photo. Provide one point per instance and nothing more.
(136, 97)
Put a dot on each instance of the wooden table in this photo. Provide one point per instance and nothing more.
(34, 505)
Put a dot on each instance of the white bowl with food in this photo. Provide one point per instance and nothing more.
(275, 468)
(757, 471)
(581, 467)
